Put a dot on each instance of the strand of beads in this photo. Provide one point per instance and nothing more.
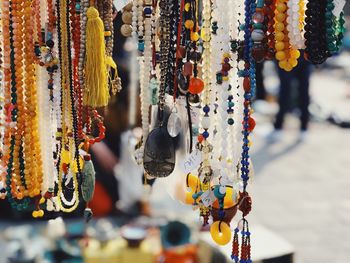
(316, 50)
(37, 7)
(84, 5)
(67, 156)
(2, 106)
(205, 170)
(32, 148)
(14, 179)
(335, 28)
(108, 23)
(20, 175)
(75, 17)
(5, 8)
(259, 49)
(269, 11)
(286, 55)
(295, 27)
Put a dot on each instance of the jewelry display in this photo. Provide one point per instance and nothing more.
(192, 72)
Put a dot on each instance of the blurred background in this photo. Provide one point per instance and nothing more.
(301, 201)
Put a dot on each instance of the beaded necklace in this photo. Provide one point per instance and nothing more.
(2, 114)
(316, 50)
(269, 11)
(259, 49)
(68, 104)
(286, 55)
(249, 83)
(335, 28)
(32, 148)
(5, 8)
(295, 20)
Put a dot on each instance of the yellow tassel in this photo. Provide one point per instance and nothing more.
(96, 93)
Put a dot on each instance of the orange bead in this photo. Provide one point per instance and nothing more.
(196, 85)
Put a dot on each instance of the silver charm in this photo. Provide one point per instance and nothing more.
(174, 123)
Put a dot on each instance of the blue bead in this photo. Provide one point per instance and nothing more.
(147, 10)
(206, 109)
(77, 7)
(141, 46)
(205, 134)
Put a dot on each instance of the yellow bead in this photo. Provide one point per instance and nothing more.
(288, 67)
(42, 200)
(279, 46)
(293, 62)
(108, 33)
(282, 64)
(35, 214)
(280, 55)
(40, 213)
(189, 24)
(194, 36)
(220, 232)
(279, 26)
(187, 7)
(281, 7)
(280, 17)
(294, 53)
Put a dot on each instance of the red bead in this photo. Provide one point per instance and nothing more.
(226, 67)
(196, 86)
(200, 138)
(246, 84)
(251, 124)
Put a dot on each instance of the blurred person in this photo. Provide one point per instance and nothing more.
(301, 76)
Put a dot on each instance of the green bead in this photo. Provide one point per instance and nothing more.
(258, 26)
(231, 104)
(230, 121)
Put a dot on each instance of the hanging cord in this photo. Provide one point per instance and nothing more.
(178, 41)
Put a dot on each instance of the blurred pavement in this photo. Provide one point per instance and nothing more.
(301, 189)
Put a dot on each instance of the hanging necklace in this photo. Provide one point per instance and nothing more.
(295, 20)
(316, 50)
(159, 154)
(66, 158)
(286, 55)
(145, 63)
(269, 11)
(335, 28)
